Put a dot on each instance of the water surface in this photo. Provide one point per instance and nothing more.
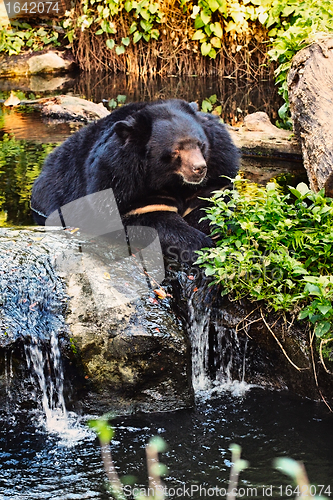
(265, 424)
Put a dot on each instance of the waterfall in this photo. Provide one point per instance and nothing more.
(44, 365)
(218, 351)
(47, 377)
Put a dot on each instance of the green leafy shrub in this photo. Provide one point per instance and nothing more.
(141, 17)
(276, 248)
(293, 25)
(211, 105)
(20, 36)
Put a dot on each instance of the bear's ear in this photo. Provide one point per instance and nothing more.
(137, 128)
(123, 129)
(194, 106)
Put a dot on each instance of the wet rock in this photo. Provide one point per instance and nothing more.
(12, 100)
(35, 63)
(69, 108)
(123, 350)
(45, 83)
(311, 98)
(273, 350)
(4, 21)
(259, 137)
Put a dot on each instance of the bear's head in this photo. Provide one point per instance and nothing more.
(171, 140)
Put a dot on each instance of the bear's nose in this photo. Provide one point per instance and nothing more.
(199, 167)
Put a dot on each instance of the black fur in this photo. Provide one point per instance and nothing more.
(140, 151)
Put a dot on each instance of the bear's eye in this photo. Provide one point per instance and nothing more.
(175, 153)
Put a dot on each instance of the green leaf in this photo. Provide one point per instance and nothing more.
(112, 103)
(125, 41)
(153, 8)
(213, 5)
(102, 429)
(155, 34)
(137, 36)
(263, 17)
(205, 48)
(216, 42)
(120, 49)
(290, 467)
(321, 328)
(303, 314)
(99, 32)
(121, 98)
(145, 14)
(217, 29)
(223, 7)
(110, 43)
(206, 106)
(128, 6)
(324, 309)
(302, 188)
(205, 17)
(210, 271)
(133, 28)
(158, 444)
(145, 26)
(199, 35)
(198, 23)
(312, 289)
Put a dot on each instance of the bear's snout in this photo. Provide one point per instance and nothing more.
(193, 165)
(200, 168)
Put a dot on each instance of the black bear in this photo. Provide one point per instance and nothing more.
(157, 157)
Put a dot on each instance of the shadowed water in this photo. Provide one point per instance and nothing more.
(37, 465)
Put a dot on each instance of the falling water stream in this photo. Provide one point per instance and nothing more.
(47, 379)
(44, 364)
(218, 359)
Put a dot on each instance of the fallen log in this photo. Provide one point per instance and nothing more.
(310, 86)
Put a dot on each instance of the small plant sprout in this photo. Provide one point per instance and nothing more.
(105, 434)
(155, 469)
(297, 472)
(155, 446)
(238, 464)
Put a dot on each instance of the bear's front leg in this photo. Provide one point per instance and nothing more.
(178, 240)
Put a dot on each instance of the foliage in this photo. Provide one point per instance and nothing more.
(293, 25)
(120, 100)
(19, 36)
(20, 164)
(103, 430)
(155, 469)
(276, 248)
(157, 491)
(143, 18)
(297, 472)
(211, 105)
